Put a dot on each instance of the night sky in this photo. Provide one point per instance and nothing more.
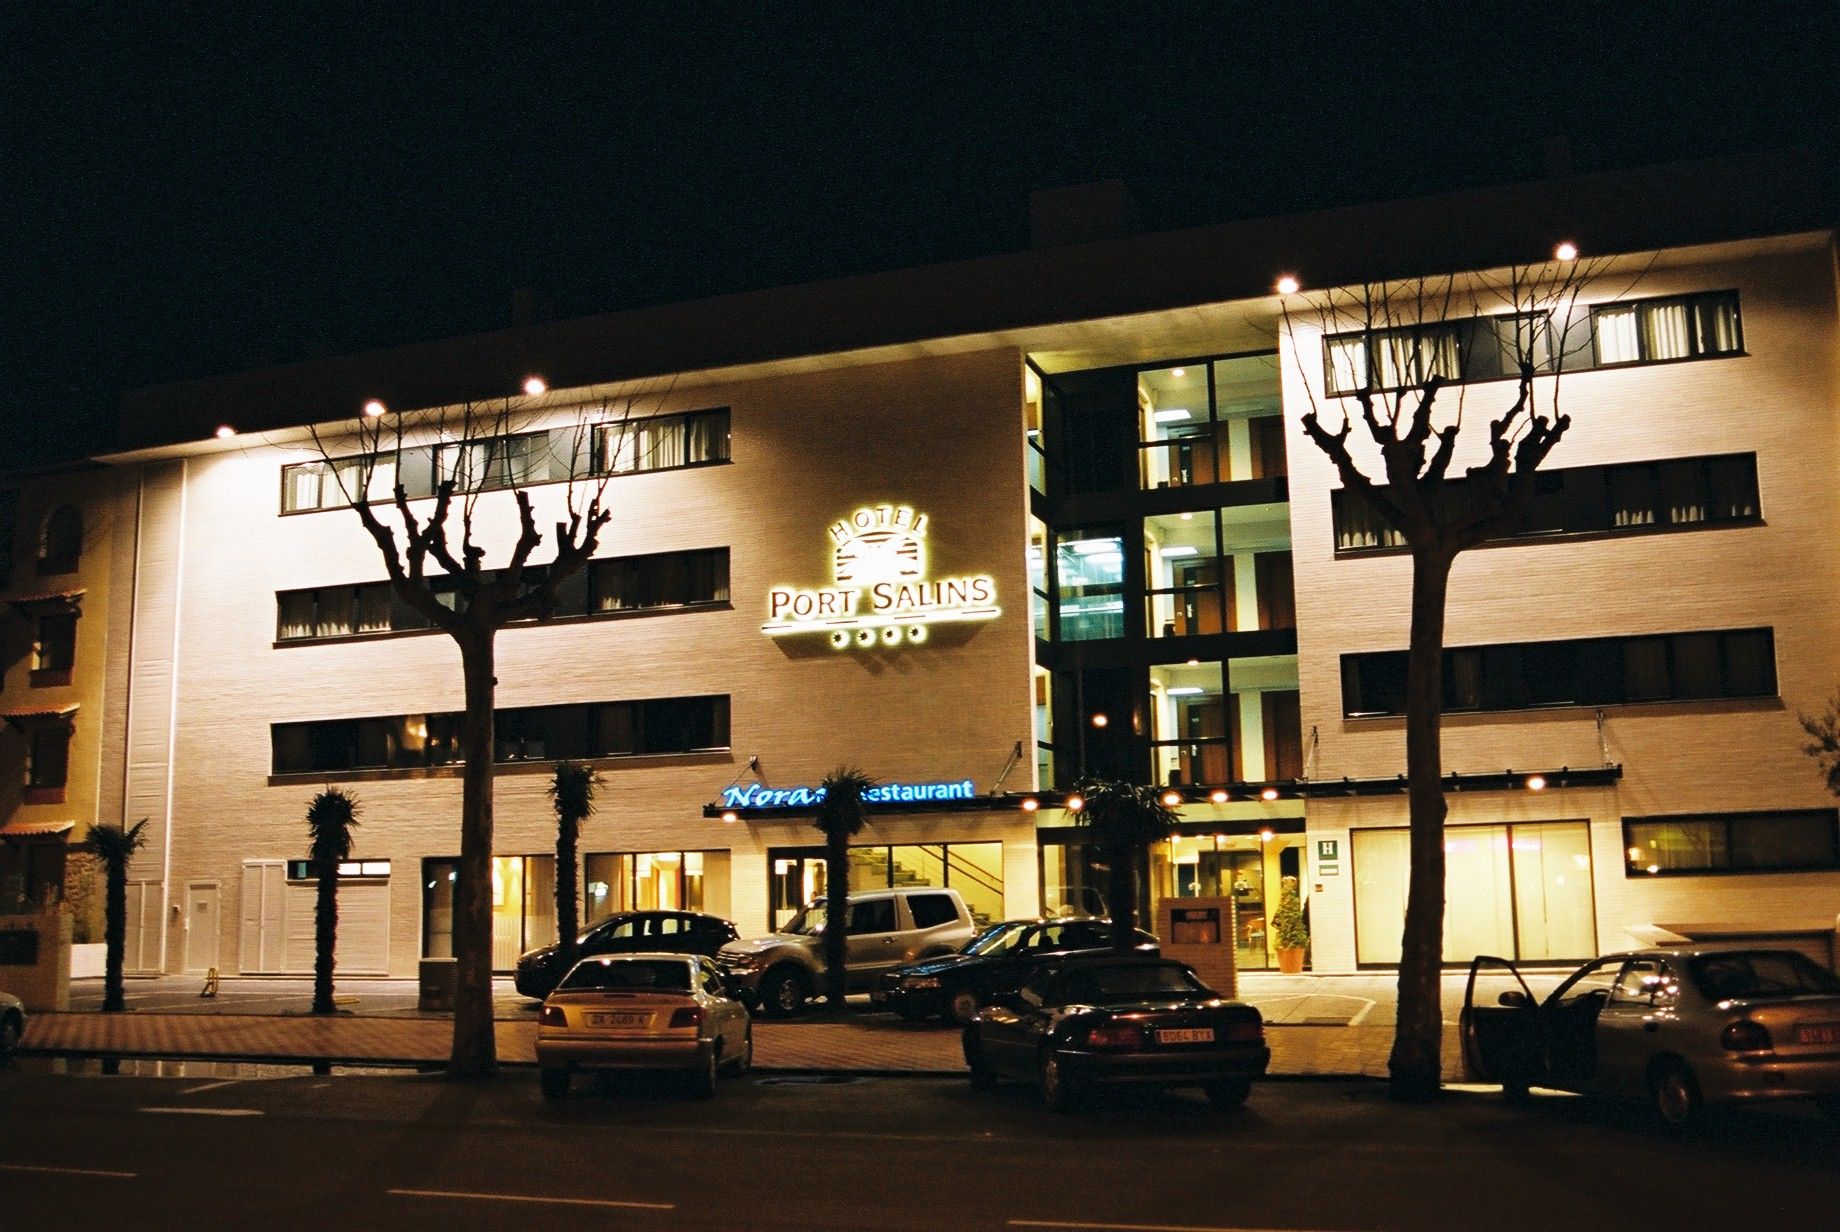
(191, 189)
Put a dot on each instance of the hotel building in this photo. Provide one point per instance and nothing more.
(982, 528)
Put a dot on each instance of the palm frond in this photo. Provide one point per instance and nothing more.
(1122, 814)
(842, 810)
(116, 845)
(572, 790)
(331, 817)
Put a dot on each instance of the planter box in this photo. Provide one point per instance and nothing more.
(87, 962)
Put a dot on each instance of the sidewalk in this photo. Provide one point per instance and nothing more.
(1318, 1026)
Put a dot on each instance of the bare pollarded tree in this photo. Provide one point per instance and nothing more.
(416, 481)
(1399, 361)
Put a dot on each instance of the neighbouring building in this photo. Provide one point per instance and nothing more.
(983, 528)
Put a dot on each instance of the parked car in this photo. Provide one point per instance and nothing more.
(629, 932)
(780, 971)
(1079, 1024)
(957, 986)
(642, 1011)
(1678, 1029)
(12, 1024)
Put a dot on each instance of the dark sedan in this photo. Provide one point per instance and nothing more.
(630, 932)
(1085, 1023)
(957, 986)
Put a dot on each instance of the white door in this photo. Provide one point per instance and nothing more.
(201, 925)
(262, 934)
(141, 948)
(363, 943)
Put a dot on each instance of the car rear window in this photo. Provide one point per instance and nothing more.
(1114, 985)
(656, 974)
(1774, 973)
(931, 910)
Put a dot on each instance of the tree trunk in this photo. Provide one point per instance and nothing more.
(474, 1053)
(568, 920)
(836, 917)
(325, 933)
(114, 934)
(1415, 1066)
(1122, 879)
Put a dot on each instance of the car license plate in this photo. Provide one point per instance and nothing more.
(1185, 1035)
(618, 1020)
(1818, 1033)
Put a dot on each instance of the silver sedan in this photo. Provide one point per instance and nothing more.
(642, 1011)
(1678, 1029)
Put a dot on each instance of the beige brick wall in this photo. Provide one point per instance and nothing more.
(1780, 401)
(943, 435)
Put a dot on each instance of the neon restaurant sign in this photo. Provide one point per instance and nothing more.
(882, 595)
(756, 795)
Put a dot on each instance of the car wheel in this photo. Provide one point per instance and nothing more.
(703, 1080)
(1059, 1092)
(1673, 1095)
(1227, 1094)
(744, 1060)
(554, 1080)
(783, 993)
(965, 1005)
(983, 1078)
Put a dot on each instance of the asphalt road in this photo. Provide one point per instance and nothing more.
(407, 1152)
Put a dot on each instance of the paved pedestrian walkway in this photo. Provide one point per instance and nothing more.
(871, 1043)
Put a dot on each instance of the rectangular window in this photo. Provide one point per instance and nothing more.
(55, 649)
(665, 579)
(652, 727)
(1676, 327)
(1473, 349)
(333, 484)
(1731, 843)
(1628, 497)
(1089, 574)
(48, 764)
(1705, 666)
(662, 443)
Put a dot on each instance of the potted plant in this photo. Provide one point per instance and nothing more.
(1289, 931)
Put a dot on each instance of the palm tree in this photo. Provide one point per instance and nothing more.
(1125, 818)
(572, 792)
(841, 816)
(115, 846)
(331, 817)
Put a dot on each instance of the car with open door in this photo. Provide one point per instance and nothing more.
(957, 986)
(1677, 1029)
(1081, 1024)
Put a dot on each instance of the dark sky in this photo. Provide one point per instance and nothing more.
(191, 189)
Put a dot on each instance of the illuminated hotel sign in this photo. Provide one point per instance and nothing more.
(882, 595)
(755, 795)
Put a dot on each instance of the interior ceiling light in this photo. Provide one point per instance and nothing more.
(1180, 550)
(1178, 373)
(1175, 414)
(1185, 690)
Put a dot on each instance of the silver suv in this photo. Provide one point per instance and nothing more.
(779, 972)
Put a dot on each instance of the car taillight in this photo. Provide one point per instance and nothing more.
(1116, 1035)
(1745, 1036)
(689, 1016)
(1245, 1032)
(552, 1016)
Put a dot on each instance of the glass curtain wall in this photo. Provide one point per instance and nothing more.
(975, 870)
(1248, 868)
(523, 906)
(643, 881)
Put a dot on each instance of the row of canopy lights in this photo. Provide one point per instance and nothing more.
(374, 407)
(1288, 284)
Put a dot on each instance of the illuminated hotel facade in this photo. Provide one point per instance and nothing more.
(985, 528)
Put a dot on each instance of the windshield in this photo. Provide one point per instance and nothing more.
(997, 939)
(636, 974)
(1773, 973)
(1118, 984)
(809, 922)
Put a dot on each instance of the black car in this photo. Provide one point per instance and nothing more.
(630, 932)
(992, 964)
(1083, 1023)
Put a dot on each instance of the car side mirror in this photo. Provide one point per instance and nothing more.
(1515, 999)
